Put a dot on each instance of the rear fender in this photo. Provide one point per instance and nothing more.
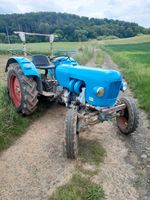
(26, 65)
(28, 69)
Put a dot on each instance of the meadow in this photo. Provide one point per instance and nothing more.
(132, 40)
(44, 47)
(134, 62)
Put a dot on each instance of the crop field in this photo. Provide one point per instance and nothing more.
(43, 47)
(132, 40)
(134, 61)
(82, 51)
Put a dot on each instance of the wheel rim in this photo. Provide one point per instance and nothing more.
(122, 122)
(15, 91)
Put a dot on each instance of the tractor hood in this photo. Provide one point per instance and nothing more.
(92, 78)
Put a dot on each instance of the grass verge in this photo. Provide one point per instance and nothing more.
(134, 61)
(12, 124)
(84, 55)
(91, 151)
(100, 56)
(79, 188)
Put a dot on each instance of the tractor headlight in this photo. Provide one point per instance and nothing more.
(124, 86)
(100, 91)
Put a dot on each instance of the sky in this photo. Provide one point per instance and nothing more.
(128, 10)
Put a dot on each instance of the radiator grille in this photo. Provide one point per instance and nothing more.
(114, 89)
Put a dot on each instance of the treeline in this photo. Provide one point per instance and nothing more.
(68, 27)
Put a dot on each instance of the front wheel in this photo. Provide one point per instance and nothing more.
(71, 134)
(128, 119)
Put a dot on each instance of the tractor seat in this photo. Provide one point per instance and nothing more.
(42, 62)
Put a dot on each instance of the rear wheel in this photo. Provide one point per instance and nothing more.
(128, 120)
(71, 134)
(22, 90)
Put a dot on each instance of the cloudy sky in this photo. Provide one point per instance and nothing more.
(129, 10)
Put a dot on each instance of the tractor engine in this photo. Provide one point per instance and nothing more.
(94, 86)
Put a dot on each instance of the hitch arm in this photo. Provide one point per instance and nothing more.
(114, 109)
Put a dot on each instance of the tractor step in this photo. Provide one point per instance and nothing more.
(48, 94)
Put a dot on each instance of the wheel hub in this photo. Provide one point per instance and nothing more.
(15, 91)
(122, 121)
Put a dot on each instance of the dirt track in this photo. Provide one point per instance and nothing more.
(34, 166)
(138, 148)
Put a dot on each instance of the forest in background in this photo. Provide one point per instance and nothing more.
(68, 27)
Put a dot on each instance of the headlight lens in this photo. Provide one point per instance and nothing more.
(124, 86)
(100, 91)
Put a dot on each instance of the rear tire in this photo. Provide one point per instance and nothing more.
(71, 134)
(22, 90)
(128, 121)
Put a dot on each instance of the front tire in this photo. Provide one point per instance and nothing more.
(71, 134)
(128, 120)
(22, 90)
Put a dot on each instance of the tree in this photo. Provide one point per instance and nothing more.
(69, 27)
(81, 35)
(2, 37)
(44, 27)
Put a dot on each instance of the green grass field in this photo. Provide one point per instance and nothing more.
(134, 61)
(132, 40)
(44, 47)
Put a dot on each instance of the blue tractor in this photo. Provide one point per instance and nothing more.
(90, 94)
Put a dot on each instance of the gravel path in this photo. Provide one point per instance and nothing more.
(128, 158)
(34, 166)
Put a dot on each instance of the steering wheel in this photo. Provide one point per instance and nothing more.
(63, 59)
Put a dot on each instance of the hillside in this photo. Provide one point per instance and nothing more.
(68, 27)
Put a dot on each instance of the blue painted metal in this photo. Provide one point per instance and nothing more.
(65, 60)
(71, 75)
(77, 87)
(111, 80)
(71, 85)
(26, 65)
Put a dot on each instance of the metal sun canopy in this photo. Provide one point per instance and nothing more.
(22, 35)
